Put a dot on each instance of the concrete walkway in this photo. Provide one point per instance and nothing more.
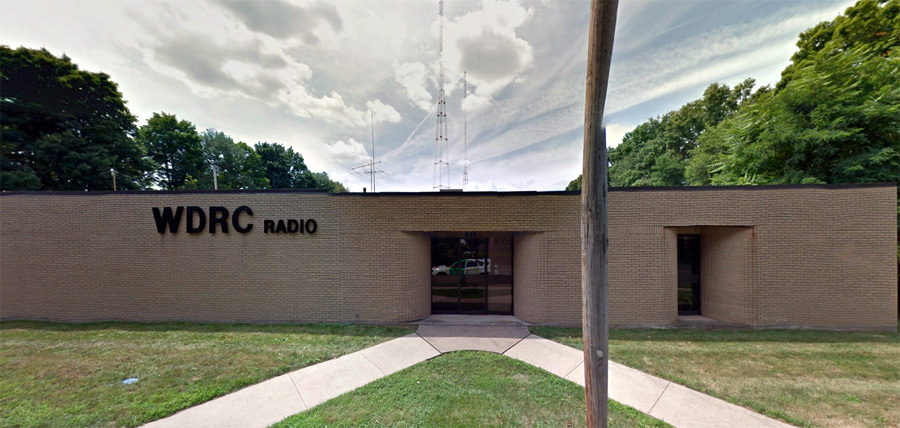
(270, 401)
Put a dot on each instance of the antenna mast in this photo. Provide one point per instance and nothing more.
(465, 135)
(372, 118)
(441, 163)
(369, 168)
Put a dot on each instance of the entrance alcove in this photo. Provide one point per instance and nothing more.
(714, 272)
(472, 273)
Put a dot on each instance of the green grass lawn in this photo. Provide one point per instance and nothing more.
(807, 378)
(464, 389)
(70, 375)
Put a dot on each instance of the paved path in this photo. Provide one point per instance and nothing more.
(270, 401)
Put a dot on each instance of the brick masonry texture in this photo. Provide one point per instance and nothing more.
(808, 256)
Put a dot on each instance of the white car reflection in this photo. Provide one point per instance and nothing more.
(464, 266)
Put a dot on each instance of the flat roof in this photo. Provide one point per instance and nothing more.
(454, 193)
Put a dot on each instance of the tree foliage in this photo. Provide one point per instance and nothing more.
(657, 151)
(575, 185)
(238, 165)
(175, 149)
(322, 181)
(834, 117)
(285, 169)
(63, 128)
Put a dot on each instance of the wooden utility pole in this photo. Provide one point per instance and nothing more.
(113, 172)
(594, 242)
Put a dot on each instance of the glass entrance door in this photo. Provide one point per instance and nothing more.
(500, 278)
(445, 266)
(688, 274)
(471, 275)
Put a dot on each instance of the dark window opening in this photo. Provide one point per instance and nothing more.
(688, 274)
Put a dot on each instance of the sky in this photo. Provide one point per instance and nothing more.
(312, 75)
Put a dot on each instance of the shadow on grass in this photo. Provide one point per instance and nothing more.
(746, 336)
(194, 327)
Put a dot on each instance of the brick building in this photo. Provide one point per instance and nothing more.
(763, 256)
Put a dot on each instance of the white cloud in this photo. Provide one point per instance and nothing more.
(475, 102)
(615, 132)
(485, 186)
(282, 19)
(219, 66)
(484, 43)
(226, 68)
(351, 152)
(709, 57)
(383, 112)
(412, 76)
(212, 73)
(216, 59)
(332, 108)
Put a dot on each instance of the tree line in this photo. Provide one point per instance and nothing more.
(834, 117)
(62, 128)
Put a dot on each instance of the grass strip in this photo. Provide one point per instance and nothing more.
(70, 375)
(807, 378)
(464, 389)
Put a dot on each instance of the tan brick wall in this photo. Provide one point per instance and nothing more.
(642, 274)
(726, 257)
(418, 284)
(99, 256)
(528, 286)
(547, 277)
(821, 256)
(561, 274)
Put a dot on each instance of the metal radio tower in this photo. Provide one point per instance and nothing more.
(441, 162)
(465, 135)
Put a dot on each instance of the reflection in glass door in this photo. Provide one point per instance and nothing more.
(445, 262)
(688, 274)
(471, 274)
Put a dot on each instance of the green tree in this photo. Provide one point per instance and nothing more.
(632, 160)
(833, 118)
(238, 166)
(284, 168)
(175, 150)
(322, 181)
(656, 152)
(62, 128)
(870, 26)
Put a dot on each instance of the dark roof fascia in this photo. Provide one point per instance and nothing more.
(455, 194)
(835, 186)
(156, 192)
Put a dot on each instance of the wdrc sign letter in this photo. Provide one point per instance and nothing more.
(196, 221)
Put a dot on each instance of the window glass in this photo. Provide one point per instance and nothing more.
(472, 275)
